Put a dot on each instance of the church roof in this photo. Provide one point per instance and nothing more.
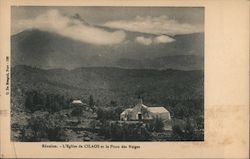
(144, 106)
(157, 109)
(127, 110)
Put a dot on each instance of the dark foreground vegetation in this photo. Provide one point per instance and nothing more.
(57, 120)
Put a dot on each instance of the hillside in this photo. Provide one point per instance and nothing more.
(112, 89)
(158, 87)
(50, 50)
(180, 62)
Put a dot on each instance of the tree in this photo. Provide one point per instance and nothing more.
(181, 111)
(159, 125)
(100, 114)
(140, 92)
(44, 127)
(200, 122)
(77, 111)
(156, 125)
(113, 103)
(35, 98)
(38, 125)
(189, 130)
(91, 101)
(29, 102)
(177, 133)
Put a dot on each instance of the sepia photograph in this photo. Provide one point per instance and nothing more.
(107, 73)
(124, 79)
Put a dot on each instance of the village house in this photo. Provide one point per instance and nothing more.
(143, 112)
(77, 103)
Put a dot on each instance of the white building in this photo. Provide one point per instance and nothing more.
(77, 103)
(143, 112)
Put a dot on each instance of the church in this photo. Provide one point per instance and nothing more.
(143, 112)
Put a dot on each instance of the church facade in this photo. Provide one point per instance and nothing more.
(143, 112)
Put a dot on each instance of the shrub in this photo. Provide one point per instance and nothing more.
(77, 111)
(159, 125)
(156, 125)
(177, 133)
(110, 113)
(120, 131)
(43, 127)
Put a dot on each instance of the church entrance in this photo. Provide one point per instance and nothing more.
(139, 116)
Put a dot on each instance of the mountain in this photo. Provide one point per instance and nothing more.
(180, 62)
(50, 50)
(107, 83)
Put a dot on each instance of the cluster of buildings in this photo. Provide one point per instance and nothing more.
(140, 112)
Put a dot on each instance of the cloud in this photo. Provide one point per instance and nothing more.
(154, 40)
(143, 40)
(163, 39)
(74, 28)
(155, 25)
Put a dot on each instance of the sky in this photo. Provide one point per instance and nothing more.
(82, 23)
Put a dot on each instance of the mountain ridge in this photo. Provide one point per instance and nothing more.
(50, 50)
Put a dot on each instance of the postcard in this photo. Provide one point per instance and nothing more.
(123, 79)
